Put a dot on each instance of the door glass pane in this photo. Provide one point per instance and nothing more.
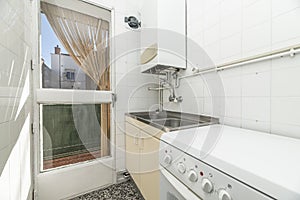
(74, 133)
(60, 70)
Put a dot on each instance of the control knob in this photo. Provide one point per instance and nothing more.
(207, 185)
(181, 168)
(193, 177)
(168, 159)
(224, 195)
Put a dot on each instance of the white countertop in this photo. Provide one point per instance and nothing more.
(267, 162)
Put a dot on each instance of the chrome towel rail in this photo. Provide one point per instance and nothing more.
(290, 51)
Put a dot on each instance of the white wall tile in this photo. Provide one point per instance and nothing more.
(286, 110)
(15, 179)
(211, 15)
(192, 105)
(213, 52)
(285, 62)
(260, 96)
(120, 152)
(278, 7)
(232, 86)
(231, 24)
(211, 34)
(120, 140)
(256, 85)
(4, 179)
(256, 13)
(197, 86)
(256, 125)
(235, 122)
(256, 108)
(286, 82)
(120, 164)
(256, 67)
(187, 91)
(285, 129)
(16, 36)
(286, 43)
(211, 4)
(4, 153)
(228, 7)
(284, 26)
(4, 135)
(236, 71)
(256, 38)
(249, 2)
(233, 106)
(235, 44)
(208, 106)
(195, 9)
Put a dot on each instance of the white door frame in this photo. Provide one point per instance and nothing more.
(69, 181)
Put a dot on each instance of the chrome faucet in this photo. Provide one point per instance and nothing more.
(172, 97)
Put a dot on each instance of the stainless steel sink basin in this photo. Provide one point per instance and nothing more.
(152, 115)
(171, 121)
(174, 123)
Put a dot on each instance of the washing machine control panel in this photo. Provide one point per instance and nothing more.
(206, 181)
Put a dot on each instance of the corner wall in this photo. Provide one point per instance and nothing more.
(17, 48)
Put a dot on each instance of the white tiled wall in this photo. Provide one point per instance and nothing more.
(17, 48)
(262, 96)
(131, 86)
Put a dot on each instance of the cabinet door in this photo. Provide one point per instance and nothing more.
(150, 185)
(149, 166)
(132, 152)
(149, 154)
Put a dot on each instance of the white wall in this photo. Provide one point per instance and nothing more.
(263, 96)
(131, 85)
(16, 51)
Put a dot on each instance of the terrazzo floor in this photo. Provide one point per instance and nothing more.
(122, 191)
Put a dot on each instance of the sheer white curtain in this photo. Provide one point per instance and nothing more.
(83, 36)
(86, 38)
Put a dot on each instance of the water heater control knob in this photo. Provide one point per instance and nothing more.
(224, 195)
(207, 185)
(181, 168)
(168, 159)
(193, 177)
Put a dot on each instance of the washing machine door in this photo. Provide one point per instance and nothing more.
(173, 189)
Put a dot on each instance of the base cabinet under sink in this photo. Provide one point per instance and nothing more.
(142, 157)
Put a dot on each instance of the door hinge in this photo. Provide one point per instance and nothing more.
(32, 128)
(114, 99)
(33, 195)
(31, 65)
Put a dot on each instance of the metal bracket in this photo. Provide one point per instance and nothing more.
(292, 52)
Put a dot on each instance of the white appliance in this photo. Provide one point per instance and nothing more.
(240, 164)
(173, 189)
(163, 37)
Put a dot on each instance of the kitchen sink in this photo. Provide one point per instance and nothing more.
(152, 115)
(174, 123)
(171, 121)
